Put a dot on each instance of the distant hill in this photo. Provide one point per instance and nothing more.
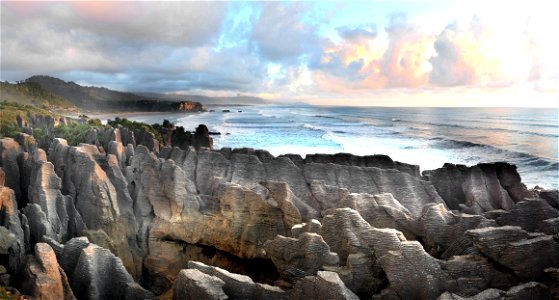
(100, 98)
(88, 97)
(240, 99)
(33, 94)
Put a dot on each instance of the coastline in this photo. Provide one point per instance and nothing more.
(249, 218)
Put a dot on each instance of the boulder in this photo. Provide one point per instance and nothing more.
(300, 257)
(193, 284)
(325, 285)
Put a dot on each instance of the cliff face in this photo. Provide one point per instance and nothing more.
(178, 222)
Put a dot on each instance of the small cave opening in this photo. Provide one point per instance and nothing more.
(260, 270)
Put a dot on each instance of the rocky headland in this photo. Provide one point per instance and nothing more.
(124, 216)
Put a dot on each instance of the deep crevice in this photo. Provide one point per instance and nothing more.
(260, 270)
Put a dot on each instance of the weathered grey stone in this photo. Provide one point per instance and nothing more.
(89, 280)
(299, 257)
(13, 240)
(412, 192)
(325, 285)
(43, 277)
(530, 290)
(443, 230)
(9, 153)
(528, 214)
(515, 249)
(193, 284)
(479, 188)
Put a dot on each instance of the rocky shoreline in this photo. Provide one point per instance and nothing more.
(195, 223)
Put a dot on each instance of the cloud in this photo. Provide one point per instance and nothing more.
(353, 34)
(280, 35)
(108, 37)
(364, 61)
(478, 54)
(293, 50)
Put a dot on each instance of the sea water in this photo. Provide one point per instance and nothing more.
(428, 137)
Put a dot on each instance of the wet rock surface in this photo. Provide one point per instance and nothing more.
(197, 223)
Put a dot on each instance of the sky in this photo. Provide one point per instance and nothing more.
(383, 53)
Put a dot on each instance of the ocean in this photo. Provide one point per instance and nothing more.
(428, 137)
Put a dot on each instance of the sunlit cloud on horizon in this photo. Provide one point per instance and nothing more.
(363, 53)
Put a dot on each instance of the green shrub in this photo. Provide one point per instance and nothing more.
(73, 133)
(94, 123)
(135, 125)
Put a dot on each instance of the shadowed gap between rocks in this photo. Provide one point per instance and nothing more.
(259, 269)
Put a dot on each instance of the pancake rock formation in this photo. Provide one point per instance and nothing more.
(199, 223)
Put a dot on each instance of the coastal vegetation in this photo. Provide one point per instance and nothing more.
(32, 93)
(10, 112)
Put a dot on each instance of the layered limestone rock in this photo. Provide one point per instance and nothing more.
(100, 194)
(191, 284)
(479, 188)
(332, 226)
(527, 255)
(51, 213)
(443, 231)
(43, 277)
(300, 257)
(10, 150)
(88, 265)
(238, 286)
(13, 238)
(528, 214)
(529, 290)
(325, 285)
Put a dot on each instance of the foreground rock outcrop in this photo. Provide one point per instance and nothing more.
(242, 224)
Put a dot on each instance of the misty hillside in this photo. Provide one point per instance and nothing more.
(32, 93)
(239, 99)
(82, 96)
(90, 97)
